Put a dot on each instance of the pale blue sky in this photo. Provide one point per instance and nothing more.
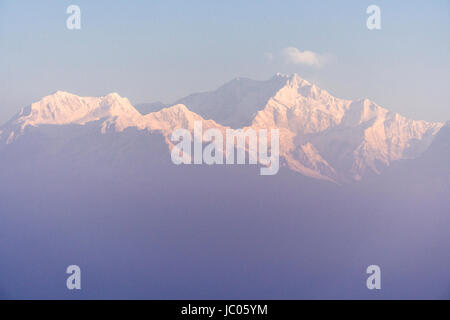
(164, 50)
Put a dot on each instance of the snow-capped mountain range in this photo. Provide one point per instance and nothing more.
(321, 136)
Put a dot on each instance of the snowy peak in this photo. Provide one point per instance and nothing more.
(349, 138)
(63, 108)
(59, 108)
(296, 81)
(66, 108)
(298, 85)
(178, 116)
(171, 118)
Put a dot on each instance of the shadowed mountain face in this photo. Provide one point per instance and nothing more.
(236, 103)
(146, 108)
(440, 148)
(94, 185)
(427, 174)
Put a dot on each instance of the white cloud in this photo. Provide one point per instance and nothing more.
(292, 55)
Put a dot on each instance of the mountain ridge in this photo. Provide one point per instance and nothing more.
(321, 136)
